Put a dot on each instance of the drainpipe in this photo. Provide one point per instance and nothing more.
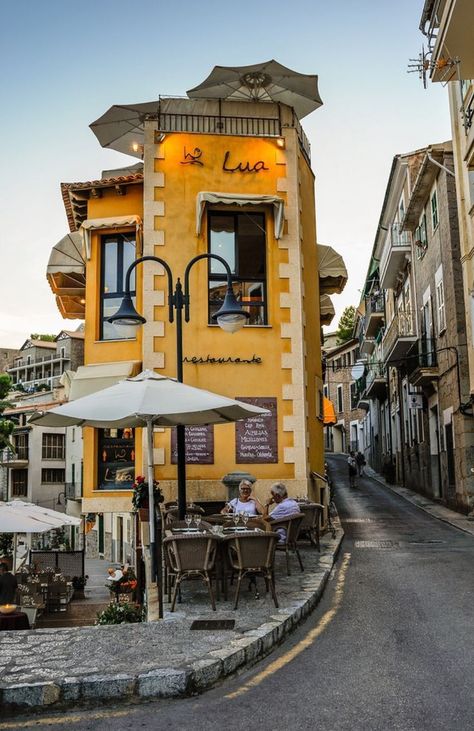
(402, 425)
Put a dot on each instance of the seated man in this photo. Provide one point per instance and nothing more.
(285, 507)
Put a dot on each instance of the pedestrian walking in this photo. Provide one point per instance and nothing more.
(352, 465)
(360, 459)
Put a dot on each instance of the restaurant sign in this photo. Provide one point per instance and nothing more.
(256, 439)
(194, 157)
(199, 359)
(199, 444)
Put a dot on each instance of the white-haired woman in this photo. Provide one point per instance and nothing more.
(244, 503)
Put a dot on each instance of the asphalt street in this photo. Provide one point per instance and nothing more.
(389, 646)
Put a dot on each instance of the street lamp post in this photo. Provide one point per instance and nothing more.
(230, 317)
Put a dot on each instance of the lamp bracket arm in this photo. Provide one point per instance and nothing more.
(169, 273)
(186, 277)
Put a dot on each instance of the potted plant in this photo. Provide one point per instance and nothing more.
(120, 614)
(6, 549)
(78, 584)
(140, 498)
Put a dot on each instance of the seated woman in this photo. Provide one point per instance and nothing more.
(244, 503)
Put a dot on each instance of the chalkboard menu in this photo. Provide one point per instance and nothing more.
(199, 444)
(116, 450)
(256, 439)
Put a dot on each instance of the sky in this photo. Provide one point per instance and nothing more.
(64, 64)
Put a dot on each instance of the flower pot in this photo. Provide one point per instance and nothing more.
(144, 514)
(79, 594)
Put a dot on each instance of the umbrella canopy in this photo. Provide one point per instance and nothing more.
(37, 512)
(122, 126)
(268, 81)
(148, 396)
(12, 521)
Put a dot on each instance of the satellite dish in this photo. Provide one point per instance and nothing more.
(358, 370)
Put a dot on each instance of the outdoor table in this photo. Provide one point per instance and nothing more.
(15, 620)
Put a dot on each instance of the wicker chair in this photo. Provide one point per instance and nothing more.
(253, 554)
(191, 556)
(312, 519)
(170, 515)
(288, 530)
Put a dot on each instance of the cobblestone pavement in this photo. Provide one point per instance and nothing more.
(162, 659)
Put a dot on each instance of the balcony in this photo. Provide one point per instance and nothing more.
(376, 382)
(360, 401)
(422, 362)
(14, 460)
(399, 337)
(446, 23)
(397, 248)
(72, 491)
(374, 314)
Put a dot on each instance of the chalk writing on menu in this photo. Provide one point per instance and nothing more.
(256, 439)
(199, 445)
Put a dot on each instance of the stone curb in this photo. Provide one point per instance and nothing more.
(175, 682)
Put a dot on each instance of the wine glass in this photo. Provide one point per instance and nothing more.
(235, 518)
(188, 519)
(197, 520)
(245, 517)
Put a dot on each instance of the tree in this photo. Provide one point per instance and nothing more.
(43, 336)
(6, 426)
(345, 327)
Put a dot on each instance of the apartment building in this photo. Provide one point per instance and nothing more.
(344, 391)
(412, 333)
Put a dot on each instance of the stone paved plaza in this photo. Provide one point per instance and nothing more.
(46, 666)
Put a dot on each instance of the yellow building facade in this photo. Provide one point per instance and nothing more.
(210, 182)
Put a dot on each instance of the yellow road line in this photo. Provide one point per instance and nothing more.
(56, 720)
(306, 641)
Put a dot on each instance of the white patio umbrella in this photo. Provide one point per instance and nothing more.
(149, 400)
(267, 81)
(22, 517)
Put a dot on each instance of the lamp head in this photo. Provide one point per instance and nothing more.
(231, 317)
(127, 314)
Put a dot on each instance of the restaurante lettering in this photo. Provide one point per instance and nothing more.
(209, 359)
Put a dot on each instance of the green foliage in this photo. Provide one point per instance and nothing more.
(345, 327)
(43, 336)
(140, 493)
(5, 385)
(120, 614)
(6, 544)
(6, 426)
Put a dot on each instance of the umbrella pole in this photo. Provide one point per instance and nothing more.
(155, 540)
(180, 429)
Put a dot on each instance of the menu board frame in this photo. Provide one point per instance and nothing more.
(259, 433)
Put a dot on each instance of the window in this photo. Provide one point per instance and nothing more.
(117, 253)
(19, 483)
(354, 395)
(116, 450)
(52, 476)
(434, 210)
(240, 239)
(440, 303)
(340, 401)
(53, 446)
(20, 442)
(421, 238)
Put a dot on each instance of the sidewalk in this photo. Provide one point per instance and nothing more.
(458, 520)
(67, 666)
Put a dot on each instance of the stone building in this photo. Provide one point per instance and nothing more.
(344, 391)
(413, 332)
(7, 356)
